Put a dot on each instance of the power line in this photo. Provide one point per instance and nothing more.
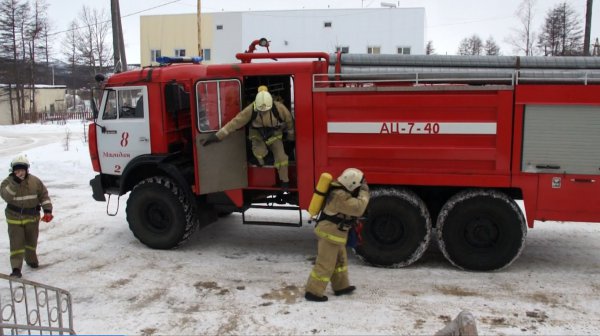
(123, 16)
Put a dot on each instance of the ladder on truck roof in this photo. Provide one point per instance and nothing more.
(358, 70)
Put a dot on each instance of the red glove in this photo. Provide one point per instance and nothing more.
(47, 217)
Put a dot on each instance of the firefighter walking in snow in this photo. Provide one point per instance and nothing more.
(347, 200)
(25, 196)
(268, 120)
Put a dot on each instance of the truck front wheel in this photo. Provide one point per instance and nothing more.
(159, 213)
(397, 229)
(481, 230)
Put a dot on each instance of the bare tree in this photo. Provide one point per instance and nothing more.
(471, 46)
(35, 41)
(429, 50)
(523, 36)
(561, 33)
(13, 14)
(491, 48)
(92, 44)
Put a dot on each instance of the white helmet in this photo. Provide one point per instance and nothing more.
(351, 178)
(263, 101)
(19, 162)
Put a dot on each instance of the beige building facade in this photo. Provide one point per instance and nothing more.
(48, 98)
(223, 34)
(172, 35)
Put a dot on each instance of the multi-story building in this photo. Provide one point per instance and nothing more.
(223, 34)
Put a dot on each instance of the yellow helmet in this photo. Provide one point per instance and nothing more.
(263, 88)
(19, 162)
(263, 101)
(351, 178)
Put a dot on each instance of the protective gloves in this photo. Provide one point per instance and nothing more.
(211, 139)
(47, 217)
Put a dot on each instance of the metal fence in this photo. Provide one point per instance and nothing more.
(31, 308)
(61, 118)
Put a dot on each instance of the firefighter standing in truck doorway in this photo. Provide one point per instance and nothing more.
(25, 196)
(268, 121)
(346, 201)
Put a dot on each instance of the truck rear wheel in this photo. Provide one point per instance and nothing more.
(481, 230)
(396, 231)
(159, 213)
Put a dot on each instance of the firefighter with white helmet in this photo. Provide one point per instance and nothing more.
(346, 201)
(25, 197)
(268, 121)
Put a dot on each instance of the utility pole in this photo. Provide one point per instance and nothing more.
(200, 51)
(588, 28)
(118, 43)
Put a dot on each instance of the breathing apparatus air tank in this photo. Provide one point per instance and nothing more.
(318, 198)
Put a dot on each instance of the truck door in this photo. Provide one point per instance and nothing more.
(560, 142)
(124, 133)
(221, 166)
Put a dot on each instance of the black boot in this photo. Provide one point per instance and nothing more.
(343, 291)
(16, 273)
(285, 186)
(33, 264)
(312, 297)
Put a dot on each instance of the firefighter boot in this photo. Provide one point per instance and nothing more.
(312, 297)
(16, 273)
(33, 264)
(284, 186)
(343, 291)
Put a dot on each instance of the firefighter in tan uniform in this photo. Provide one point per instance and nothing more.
(268, 120)
(25, 196)
(347, 200)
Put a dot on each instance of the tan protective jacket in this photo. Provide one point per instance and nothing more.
(341, 203)
(28, 195)
(263, 119)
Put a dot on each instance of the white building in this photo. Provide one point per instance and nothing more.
(361, 31)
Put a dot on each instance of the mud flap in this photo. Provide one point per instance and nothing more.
(97, 189)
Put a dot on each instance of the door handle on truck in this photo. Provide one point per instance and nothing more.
(144, 139)
(582, 180)
(547, 166)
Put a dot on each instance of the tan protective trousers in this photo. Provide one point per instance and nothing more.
(23, 243)
(260, 149)
(331, 266)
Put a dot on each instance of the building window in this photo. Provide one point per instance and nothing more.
(206, 54)
(327, 24)
(404, 50)
(154, 54)
(373, 50)
(344, 50)
(219, 27)
(179, 52)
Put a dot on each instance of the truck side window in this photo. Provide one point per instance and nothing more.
(110, 108)
(218, 102)
(131, 104)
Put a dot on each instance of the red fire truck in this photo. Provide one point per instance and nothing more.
(448, 144)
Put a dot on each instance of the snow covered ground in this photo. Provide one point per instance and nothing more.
(238, 279)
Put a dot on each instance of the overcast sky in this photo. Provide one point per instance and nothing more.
(447, 21)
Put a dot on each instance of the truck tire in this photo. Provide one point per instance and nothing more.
(159, 213)
(396, 230)
(481, 230)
